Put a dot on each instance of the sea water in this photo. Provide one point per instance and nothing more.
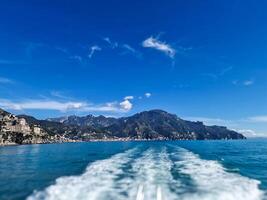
(169, 170)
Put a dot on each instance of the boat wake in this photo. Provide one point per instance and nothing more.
(212, 181)
(167, 173)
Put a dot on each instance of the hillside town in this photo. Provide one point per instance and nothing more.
(13, 128)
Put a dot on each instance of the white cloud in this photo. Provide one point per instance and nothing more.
(128, 97)
(65, 106)
(126, 105)
(41, 105)
(147, 95)
(159, 45)
(6, 80)
(262, 118)
(93, 50)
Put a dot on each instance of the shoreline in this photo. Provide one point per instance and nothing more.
(117, 140)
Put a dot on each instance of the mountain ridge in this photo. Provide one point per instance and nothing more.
(152, 115)
(147, 125)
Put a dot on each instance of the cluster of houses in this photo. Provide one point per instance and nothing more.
(15, 130)
(11, 123)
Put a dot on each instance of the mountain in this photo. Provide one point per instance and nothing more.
(153, 124)
(89, 120)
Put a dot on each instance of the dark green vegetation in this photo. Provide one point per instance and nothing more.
(154, 124)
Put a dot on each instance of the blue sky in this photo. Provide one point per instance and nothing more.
(202, 60)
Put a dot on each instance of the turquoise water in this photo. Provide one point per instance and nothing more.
(135, 170)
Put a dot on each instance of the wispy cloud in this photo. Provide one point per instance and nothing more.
(127, 49)
(40, 104)
(128, 97)
(262, 118)
(210, 75)
(248, 82)
(243, 83)
(59, 94)
(221, 73)
(209, 121)
(225, 70)
(112, 44)
(65, 105)
(77, 58)
(93, 49)
(250, 133)
(4, 80)
(62, 49)
(154, 43)
(11, 62)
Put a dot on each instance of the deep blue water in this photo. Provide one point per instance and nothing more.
(135, 170)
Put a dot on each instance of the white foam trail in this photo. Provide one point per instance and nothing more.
(96, 183)
(153, 171)
(213, 182)
(149, 177)
(140, 193)
(159, 194)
